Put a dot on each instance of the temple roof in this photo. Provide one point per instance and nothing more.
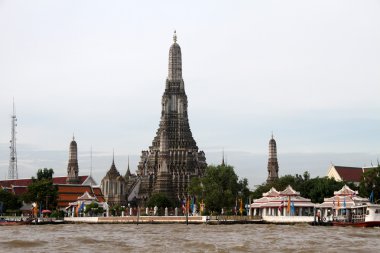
(71, 193)
(345, 191)
(112, 172)
(86, 196)
(289, 191)
(28, 181)
(350, 174)
(271, 193)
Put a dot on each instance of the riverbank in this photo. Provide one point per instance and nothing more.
(164, 220)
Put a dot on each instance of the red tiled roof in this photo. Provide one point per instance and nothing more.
(71, 193)
(16, 182)
(349, 174)
(19, 190)
(28, 181)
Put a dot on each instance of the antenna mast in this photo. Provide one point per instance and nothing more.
(12, 171)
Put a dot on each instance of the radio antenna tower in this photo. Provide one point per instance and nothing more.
(12, 172)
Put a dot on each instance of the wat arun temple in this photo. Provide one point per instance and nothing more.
(173, 159)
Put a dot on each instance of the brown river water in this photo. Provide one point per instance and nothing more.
(191, 238)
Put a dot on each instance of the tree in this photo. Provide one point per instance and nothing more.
(8, 201)
(160, 200)
(42, 190)
(219, 188)
(44, 174)
(370, 182)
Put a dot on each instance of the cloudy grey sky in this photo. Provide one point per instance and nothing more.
(307, 70)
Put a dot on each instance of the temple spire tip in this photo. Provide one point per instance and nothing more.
(175, 36)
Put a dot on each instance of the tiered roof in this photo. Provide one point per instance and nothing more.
(343, 197)
(71, 193)
(274, 198)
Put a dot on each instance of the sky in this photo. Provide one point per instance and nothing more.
(308, 71)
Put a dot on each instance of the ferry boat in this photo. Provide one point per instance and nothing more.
(365, 215)
(4, 222)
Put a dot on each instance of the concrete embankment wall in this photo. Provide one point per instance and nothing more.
(288, 219)
(134, 219)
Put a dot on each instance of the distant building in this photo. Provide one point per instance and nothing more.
(113, 186)
(272, 161)
(347, 174)
(70, 187)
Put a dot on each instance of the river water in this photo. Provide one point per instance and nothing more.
(191, 238)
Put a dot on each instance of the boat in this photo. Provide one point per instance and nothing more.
(4, 222)
(365, 215)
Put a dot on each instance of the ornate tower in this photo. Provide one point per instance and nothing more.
(272, 161)
(72, 167)
(113, 186)
(173, 159)
(12, 171)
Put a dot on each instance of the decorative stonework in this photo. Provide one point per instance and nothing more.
(272, 161)
(113, 186)
(174, 158)
(72, 167)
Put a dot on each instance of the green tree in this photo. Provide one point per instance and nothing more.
(160, 200)
(370, 182)
(8, 201)
(44, 174)
(219, 188)
(42, 190)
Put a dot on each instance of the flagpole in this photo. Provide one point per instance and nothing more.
(187, 210)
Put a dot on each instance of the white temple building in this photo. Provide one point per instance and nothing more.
(342, 199)
(283, 206)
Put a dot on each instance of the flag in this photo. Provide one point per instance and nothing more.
(281, 205)
(371, 197)
(338, 202)
(288, 207)
(183, 205)
(293, 209)
(187, 205)
(81, 207)
(235, 206)
(344, 202)
(191, 203)
(241, 206)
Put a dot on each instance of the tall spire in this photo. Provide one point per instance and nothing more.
(72, 167)
(272, 161)
(175, 36)
(175, 61)
(91, 162)
(173, 158)
(128, 162)
(12, 171)
(223, 164)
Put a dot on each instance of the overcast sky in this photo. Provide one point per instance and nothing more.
(307, 70)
